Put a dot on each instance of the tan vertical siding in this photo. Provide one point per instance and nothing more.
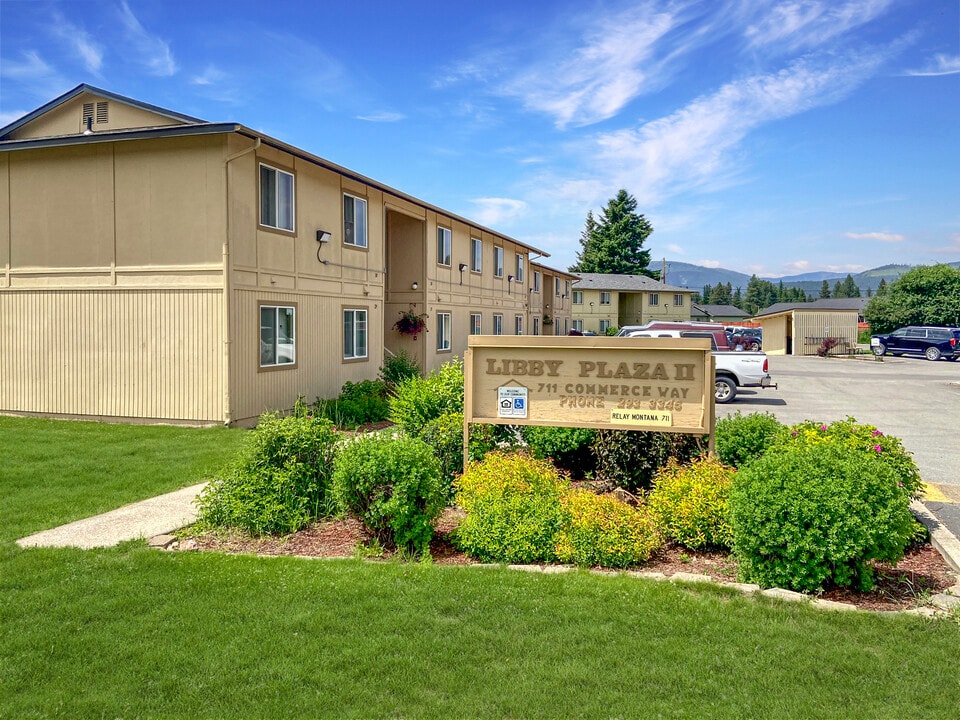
(113, 354)
(810, 329)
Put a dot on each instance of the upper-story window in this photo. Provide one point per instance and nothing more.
(578, 297)
(444, 246)
(566, 288)
(476, 255)
(654, 299)
(276, 198)
(556, 287)
(536, 281)
(604, 298)
(521, 261)
(497, 261)
(354, 221)
(678, 300)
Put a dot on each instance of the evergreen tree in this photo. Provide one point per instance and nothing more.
(882, 287)
(781, 293)
(824, 290)
(850, 288)
(838, 290)
(705, 295)
(614, 244)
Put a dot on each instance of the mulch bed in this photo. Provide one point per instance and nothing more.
(922, 572)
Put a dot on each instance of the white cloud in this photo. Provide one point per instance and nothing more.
(495, 211)
(80, 42)
(878, 236)
(940, 65)
(211, 76)
(31, 68)
(796, 24)
(382, 116)
(798, 265)
(676, 249)
(708, 263)
(154, 52)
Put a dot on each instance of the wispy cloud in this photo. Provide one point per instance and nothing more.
(80, 42)
(878, 236)
(497, 211)
(676, 249)
(940, 65)
(382, 116)
(709, 263)
(799, 266)
(34, 73)
(798, 24)
(154, 52)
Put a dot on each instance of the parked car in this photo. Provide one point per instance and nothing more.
(931, 342)
(747, 338)
(713, 331)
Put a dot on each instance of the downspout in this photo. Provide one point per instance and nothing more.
(227, 413)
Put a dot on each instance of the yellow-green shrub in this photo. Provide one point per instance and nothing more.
(691, 502)
(602, 530)
(512, 505)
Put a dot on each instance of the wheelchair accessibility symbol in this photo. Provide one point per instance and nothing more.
(512, 402)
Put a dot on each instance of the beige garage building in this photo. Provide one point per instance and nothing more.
(157, 267)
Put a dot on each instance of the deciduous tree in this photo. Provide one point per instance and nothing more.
(924, 295)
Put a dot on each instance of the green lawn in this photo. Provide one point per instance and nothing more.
(132, 632)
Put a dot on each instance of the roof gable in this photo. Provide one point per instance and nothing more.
(87, 109)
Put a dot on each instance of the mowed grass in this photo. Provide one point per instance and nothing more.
(132, 632)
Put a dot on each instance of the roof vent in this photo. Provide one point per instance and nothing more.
(102, 112)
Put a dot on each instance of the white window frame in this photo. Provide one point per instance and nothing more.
(556, 287)
(444, 325)
(476, 255)
(578, 325)
(444, 246)
(518, 324)
(498, 261)
(653, 299)
(578, 297)
(604, 326)
(678, 300)
(536, 281)
(566, 288)
(275, 310)
(359, 334)
(359, 234)
(497, 324)
(535, 329)
(521, 264)
(272, 184)
(476, 324)
(604, 297)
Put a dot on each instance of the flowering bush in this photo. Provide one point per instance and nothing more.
(602, 530)
(690, 502)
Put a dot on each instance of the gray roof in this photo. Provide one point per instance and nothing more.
(725, 310)
(852, 304)
(634, 283)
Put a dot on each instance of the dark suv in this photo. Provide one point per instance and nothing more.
(931, 342)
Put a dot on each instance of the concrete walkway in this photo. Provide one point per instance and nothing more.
(143, 519)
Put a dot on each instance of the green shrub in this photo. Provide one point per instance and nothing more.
(358, 404)
(570, 449)
(740, 438)
(393, 486)
(445, 436)
(690, 503)
(278, 483)
(599, 530)
(809, 514)
(864, 441)
(417, 401)
(630, 459)
(398, 368)
(512, 505)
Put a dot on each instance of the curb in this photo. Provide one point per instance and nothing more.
(941, 538)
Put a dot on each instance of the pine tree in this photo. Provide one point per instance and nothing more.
(882, 287)
(614, 244)
(838, 290)
(824, 290)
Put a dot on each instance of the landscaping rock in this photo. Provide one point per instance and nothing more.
(162, 541)
(526, 568)
(647, 575)
(745, 588)
(822, 604)
(690, 577)
(945, 602)
(782, 594)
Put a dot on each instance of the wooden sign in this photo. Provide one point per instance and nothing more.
(656, 384)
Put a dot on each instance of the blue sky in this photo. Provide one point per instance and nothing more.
(774, 137)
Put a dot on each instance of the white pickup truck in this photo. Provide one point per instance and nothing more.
(732, 369)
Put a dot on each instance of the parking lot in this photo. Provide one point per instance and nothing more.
(914, 399)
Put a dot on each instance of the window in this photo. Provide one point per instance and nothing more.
(476, 322)
(498, 261)
(678, 300)
(354, 221)
(566, 288)
(443, 331)
(654, 299)
(476, 255)
(536, 326)
(354, 334)
(518, 325)
(276, 198)
(604, 298)
(521, 260)
(578, 297)
(578, 325)
(536, 281)
(277, 335)
(556, 287)
(498, 324)
(444, 245)
(604, 325)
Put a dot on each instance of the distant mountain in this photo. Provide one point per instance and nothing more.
(695, 277)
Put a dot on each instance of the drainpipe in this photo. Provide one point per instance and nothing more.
(227, 414)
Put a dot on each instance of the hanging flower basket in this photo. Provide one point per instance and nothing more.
(547, 320)
(410, 323)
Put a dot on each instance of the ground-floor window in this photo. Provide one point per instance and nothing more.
(604, 326)
(536, 326)
(278, 335)
(354, 334)
(476, 323)
(518, 325)
(498, 324)
(443, 331)
(578, 325)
